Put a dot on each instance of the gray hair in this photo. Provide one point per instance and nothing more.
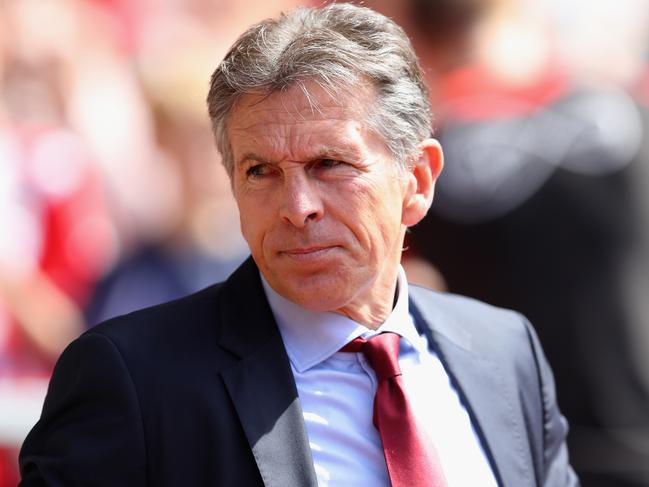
(335, 46)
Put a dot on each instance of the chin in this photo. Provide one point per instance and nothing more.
(316, 298)
(318, 288)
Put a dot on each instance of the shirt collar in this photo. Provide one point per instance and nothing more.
(312, 337)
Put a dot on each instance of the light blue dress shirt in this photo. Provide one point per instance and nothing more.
(337, 389)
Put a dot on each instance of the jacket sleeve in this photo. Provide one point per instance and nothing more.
(557, 471)
(90, 432)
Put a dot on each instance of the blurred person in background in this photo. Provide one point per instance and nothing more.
(55, 233)
(330, 161)
(199, 241)
(542, 206)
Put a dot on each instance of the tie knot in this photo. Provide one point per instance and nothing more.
(381, 351)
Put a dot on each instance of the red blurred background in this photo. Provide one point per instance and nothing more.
(112, 196)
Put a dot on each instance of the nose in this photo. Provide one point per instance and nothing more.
(301, 200)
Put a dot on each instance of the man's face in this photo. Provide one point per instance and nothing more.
(321, 199)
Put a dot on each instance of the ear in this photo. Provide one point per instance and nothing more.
(421, 182)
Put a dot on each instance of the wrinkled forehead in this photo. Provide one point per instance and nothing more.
(300, 121)
(305, 100)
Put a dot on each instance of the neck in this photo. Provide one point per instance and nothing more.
(372, 308)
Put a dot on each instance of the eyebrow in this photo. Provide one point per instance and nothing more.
(346, 153)
(250, 156)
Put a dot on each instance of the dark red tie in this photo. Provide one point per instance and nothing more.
(410, 457)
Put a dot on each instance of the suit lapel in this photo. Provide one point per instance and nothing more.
(261, 383)
(486, 393)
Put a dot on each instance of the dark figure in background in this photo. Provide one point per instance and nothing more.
(568, 256)
(323, 120)
(542, 208)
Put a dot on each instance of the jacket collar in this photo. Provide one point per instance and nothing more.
(261, 383)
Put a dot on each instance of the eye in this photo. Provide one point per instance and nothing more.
(329, 163)
(258, 170)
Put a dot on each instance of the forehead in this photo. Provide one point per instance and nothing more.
(301, 120)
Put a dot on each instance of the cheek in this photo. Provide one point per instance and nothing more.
(246, 232)
(387, 214)
(250, 222)
(375, 221)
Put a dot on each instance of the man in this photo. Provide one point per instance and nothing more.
(323, 122)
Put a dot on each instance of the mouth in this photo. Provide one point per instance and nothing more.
(305, 254)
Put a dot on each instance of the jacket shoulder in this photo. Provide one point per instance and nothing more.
(461, 318)
(200, 303)
(165, 327)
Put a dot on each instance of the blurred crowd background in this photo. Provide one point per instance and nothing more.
(112, 196)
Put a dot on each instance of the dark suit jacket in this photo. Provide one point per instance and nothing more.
(199, 392)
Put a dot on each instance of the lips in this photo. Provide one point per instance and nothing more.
(306, 250)
(306, 254)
